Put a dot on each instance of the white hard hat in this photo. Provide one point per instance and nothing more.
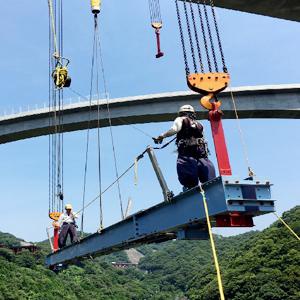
(68, 206)
(186, 108)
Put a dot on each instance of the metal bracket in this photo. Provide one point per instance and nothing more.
(168, 195)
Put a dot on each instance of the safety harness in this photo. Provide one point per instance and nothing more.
(190, 140)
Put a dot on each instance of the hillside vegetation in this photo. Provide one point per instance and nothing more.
(257, 265)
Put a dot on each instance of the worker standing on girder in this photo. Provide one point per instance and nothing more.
(67, 224)
(192, 162)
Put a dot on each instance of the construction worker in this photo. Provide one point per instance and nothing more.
(192, 162)
(67, 225)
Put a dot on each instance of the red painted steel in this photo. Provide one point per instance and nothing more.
(159, 53)
(234, 220)
(215, 118)
(55, 239)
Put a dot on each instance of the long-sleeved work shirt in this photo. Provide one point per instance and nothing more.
(176, 127)
(65, 218)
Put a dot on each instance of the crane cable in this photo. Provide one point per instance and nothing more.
(88, 130)
(241, 134)
(212, 243)
(110, 122)
(52, 20)
(98, 136)
(56, 99)
(140, 156)
(118, 118)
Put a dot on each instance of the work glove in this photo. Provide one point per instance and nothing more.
(158, 140)
(55, 225)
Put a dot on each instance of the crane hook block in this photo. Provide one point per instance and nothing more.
(60, 77)
(205, 102)
(206, 83)
(54, 215)
(156, 25)
(96, 5)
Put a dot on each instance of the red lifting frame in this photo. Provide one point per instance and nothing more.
(215, 118)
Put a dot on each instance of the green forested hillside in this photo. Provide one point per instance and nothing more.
(257, 265)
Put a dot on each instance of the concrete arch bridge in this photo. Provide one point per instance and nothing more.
(275, 101)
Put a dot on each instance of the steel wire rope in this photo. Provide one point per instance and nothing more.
(114, 182)
(118, 118)
(110, 122)
(210, 36)
(98, 134)
(59, 179)
(154, 9)
(49, 121)
(241, 134)
(88, 135)
(51, 13)
(62, 107)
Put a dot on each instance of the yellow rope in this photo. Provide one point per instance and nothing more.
(53, 27)
(287, 226)
(219, 278)
(245, 151)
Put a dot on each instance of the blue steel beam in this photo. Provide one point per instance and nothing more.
(182, 218)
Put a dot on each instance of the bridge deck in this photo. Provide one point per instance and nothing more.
(283, 9)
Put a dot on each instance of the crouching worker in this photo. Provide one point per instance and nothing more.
(67, 225)
(192, 162)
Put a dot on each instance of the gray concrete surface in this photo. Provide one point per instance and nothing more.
(278, 101)
(283, 9)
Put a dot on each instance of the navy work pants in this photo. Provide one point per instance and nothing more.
(67, 229)
(190, 170)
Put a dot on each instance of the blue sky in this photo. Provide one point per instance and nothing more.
(259, 50)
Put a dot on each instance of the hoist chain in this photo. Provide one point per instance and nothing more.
(190, 36)
(218, 36)
(187, 69)
(196, 36)
(204, 36)
(210, 36)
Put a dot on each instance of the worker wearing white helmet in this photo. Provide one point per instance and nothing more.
(192, 162)
(67, 224)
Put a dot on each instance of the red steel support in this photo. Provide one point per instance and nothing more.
(159, 53)
(55, 239)
(215, 117)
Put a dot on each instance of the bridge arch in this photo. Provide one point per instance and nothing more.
(275, 101)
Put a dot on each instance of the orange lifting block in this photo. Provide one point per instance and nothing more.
(205, 83)
(208, 84)
(54, 215)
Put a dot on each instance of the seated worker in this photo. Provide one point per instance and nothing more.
(67, 225)
(192, 162)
